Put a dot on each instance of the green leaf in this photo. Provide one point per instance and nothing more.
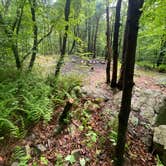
(82, 161)
(71, 159)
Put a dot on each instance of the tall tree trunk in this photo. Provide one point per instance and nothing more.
(89, 35)
(35, 33)
(16, 55)
(108, 52)
(74, 41)
(63, 50)
(115, 44)
(120, 81)
(133, 16)
(95, 36)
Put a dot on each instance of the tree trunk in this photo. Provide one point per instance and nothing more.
(35, 33)
(16, 55)
(108, 52)
(89, 34)
(115, 44)
(95, 36)
(133, 16)
(120, 81)
(63, 50)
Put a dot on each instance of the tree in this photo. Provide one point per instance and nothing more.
(12, 29)
(35, 32)
(131, 31)
(153, 32)
(108, 47)
(115, 44)
(63, 50)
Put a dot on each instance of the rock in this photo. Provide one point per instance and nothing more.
(159, 140)
(147, 140)
(41, 147)
(73, 60)
(15, 164)
(95, 93)
(161, 118)
(31, 137)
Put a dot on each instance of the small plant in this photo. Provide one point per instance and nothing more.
(113, 137)
(82, 162)
(43, 160)
(70, 158)
(92, 138)
(159, 163)
(59, 160)
(21, 156)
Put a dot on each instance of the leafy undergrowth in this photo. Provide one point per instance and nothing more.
(88, 139)
(24, 101)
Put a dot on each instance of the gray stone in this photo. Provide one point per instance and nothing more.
(41, 147)
(160, 135)
(15, 164)
(159, 140)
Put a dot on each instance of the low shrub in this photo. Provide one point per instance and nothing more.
(24, 100)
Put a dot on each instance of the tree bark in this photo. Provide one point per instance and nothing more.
(115, 44)
(35, 33)
(133, 16)
(108, 52)
(95, 36)
(89, 34)
(63, 50)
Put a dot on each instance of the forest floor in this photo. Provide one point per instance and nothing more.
(91, 135)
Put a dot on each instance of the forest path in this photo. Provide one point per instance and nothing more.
(96, 77)
(92, 141)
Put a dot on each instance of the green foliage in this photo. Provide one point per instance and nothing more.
(113, 137)
(149, 66)
(59, 160)
(62, 87)
(159, 163)
(91, 138)
(152, 31)
(70, 158)
(43, 160)
(24, 100)
(19, 154)
(162, 68)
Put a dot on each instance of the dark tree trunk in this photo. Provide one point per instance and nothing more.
(115, 44)
(74, 41)
(16, 55)
(72, 47)
(95, 36)
(133, 16)
(60, 42)
(35, 33)
(108, 52)
(89, 35)
(92, 39)
(63, 50)
(120, 81)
